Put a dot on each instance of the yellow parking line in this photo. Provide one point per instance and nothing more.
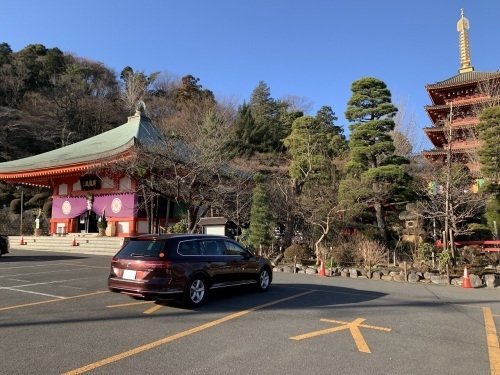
(492, 341)
(358, 337)
(353, 327)
(361, 325)
(179, 335)
(51, 300)
(154, 308)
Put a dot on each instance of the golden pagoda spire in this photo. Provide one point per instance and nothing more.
(462, 28)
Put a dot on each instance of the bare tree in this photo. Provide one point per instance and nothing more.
(196, 176)
(463, 204)
(297, 103)
(488, 95)
(12, 80)
(407, 135)
(319, 206)
(136, 85)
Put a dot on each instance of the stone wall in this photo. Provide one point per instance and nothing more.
(10, 223)
(491, 280)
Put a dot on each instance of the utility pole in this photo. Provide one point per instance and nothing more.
(448, 240)
(22, 205)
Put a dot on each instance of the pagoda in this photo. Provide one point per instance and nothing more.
(80, 196)
(456, 105)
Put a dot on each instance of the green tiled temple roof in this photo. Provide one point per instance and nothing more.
(138, 129)
(463, 78)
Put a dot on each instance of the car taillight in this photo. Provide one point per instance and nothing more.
(115, 270)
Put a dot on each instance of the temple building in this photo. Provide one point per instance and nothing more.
(80, 196)
(456, 105)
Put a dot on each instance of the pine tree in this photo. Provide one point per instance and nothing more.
(261, 219)
(313, 144)
(489, 154)
(375, 172)
(489, 157)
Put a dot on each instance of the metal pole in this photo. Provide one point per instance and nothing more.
(448, 185)
(22, 204)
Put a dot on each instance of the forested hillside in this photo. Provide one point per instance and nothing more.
(310, 182)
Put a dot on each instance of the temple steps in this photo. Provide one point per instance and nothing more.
(85, 244)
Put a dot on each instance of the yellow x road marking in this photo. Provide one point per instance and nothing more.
(352, 326)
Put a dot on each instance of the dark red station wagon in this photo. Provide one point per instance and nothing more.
(185, 266)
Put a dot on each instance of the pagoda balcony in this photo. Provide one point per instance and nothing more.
(475, 98)
(457, 123)
(466, 145)
(469, 101)
(456, 147)
(464, 121)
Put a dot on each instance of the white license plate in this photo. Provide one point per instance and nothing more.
(129, 274)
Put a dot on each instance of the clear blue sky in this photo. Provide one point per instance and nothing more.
(313, 49)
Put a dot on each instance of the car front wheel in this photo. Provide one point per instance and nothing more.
(196, 291)
(264, 279)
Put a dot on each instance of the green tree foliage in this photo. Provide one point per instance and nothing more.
(335, 134)
(264, 111)
(372, 161)
(5, 53)
(489, 158)
(313, 144)
(263, 123)
(191, 91)
(261, 220)
(243, 131)
(191, 103)
(38, 200)
(492, 214)
(489, 154)
(309, 147)
(15, 206)
(47, 209)
(49, 99)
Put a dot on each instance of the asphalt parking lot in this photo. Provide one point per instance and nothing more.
(57, 317)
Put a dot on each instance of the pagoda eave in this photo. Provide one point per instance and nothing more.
(45, 177)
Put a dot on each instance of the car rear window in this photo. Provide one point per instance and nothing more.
(150, 249)
(188, 248)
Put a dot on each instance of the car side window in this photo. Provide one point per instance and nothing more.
(188, 248)
(212, 247)
(233, 248)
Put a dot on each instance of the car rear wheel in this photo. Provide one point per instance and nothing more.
(196, 291)
(264, 279)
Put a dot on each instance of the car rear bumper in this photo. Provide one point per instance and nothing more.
(142, 289)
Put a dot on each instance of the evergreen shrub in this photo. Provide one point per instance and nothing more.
(480, 232)
(295, 250)
(5, 198)
(15, 206)
(47, 209)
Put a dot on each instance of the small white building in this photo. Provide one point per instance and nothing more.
(218, 225)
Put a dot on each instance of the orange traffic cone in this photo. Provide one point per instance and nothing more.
(74, 241)
(322, 269)
(22, 241)
(466, 280)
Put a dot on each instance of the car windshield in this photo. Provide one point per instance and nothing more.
(143, 249)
